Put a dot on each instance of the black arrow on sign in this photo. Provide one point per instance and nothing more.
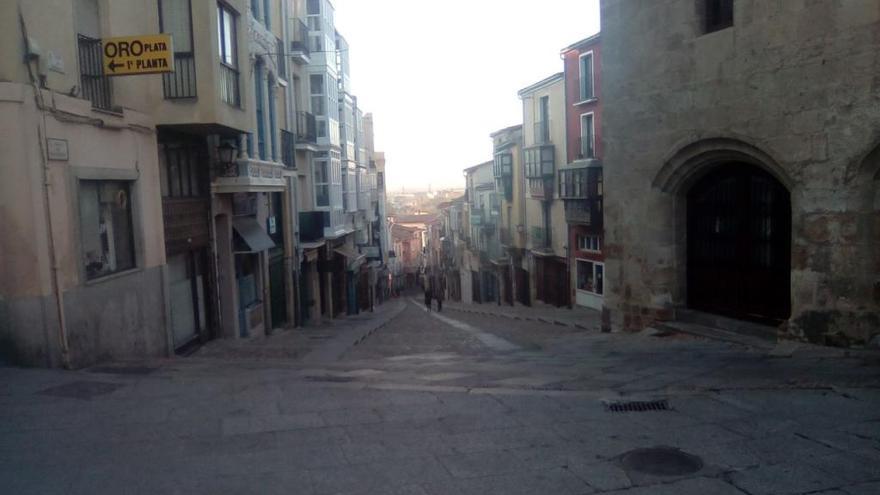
(113, 65)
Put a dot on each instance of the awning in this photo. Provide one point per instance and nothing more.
(252, 234)
(354, 258)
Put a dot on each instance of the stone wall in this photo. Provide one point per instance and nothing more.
(793, 87)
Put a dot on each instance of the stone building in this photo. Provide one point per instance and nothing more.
(742, 152)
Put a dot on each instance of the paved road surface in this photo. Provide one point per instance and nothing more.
(406, 402)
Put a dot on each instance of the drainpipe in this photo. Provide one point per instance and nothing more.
(53, 258)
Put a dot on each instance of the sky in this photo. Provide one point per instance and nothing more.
(440, 76)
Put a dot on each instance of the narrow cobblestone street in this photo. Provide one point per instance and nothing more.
(431, 404)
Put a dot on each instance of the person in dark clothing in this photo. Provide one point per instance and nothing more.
(428, 296)
(438, 295)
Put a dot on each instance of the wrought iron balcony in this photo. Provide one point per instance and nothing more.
(182, 82)
(299, 43)
(229, 86)
(288, 153)
(95, 85)
(306, 128)
(542, 132)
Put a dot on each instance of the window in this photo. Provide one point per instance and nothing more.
(322, 183)
(94, 85)
(228, 50)
(180, 175)
(227, 39)
(260, 109)
(591, 276)
(589, 243)
(273, 139)
(105, 227)
(542, 127)
(267, 10)
(588, 139)
(175, 18)
(586, 75)
(573, 183)
(717, 15)
(316, 85)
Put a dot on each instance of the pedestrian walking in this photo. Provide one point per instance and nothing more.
(438, 295)
(428, 296)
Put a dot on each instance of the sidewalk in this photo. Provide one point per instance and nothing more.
(577, 317)
(322, 342)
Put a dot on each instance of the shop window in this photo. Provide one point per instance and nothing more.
(106, 234)
(591, 276)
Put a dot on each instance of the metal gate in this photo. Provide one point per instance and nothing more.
(739, 244)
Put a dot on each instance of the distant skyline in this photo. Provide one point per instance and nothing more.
(439, 77)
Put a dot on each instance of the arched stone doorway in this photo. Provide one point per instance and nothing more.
(739, 243)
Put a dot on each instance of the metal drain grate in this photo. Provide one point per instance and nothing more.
(637, 406)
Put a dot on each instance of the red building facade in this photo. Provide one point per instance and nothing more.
(580, 180)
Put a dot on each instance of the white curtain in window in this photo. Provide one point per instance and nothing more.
(176, 22)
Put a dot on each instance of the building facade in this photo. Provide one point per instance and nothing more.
(160, 211)
(543, 148)
(742, 165)
(580, 178)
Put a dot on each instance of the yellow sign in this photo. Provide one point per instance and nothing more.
(134, 55)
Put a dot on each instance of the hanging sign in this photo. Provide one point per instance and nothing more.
(136, 55)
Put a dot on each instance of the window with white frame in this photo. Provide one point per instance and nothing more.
(588, 136)
(591, 276)
(586, 75)
(227, 40)
(589, 243)
(322, 182)
(106, 234)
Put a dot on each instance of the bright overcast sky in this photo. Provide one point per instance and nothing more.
(440, 76)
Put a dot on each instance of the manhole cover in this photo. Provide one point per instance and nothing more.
(82, 390)
(661, 461)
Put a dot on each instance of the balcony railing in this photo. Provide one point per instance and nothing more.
(542, 132)
(182, 82)
(587, 212)
(229, 91)
(249, 176)
(587, 147)
(306, 128)
(299, 42)
(539, 237)
(288, 152)
(95, 85)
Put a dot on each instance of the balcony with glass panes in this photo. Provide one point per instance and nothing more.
(581, 190)
(540, 168)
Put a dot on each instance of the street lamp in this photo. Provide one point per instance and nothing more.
(226, 156)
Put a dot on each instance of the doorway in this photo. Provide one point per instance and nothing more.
(187, 273)
(739, 244)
